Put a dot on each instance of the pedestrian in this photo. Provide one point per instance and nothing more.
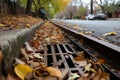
(43, 13)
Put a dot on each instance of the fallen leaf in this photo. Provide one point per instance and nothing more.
(28, 25)
(38, 55)
(87, 67)
(1, 56)
(12, 77)
(110, 33)
(54, 72)
(79, 58)
(18, 61)
(101, 61)
(27, 47)
(2, 25)
(22, 70)
(33, 64)
(73, 76)
(76, 27)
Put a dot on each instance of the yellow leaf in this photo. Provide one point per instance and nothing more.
(27, 25)
(76, 27)
(54, 72)
(110, 33)
(2, 25)
(22, 70)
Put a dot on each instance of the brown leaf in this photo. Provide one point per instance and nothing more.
(2, 25)
(1, 56)
(101, 61)
(54, 71)
(12, 77)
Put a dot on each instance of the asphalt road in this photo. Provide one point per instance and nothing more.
(98, 28)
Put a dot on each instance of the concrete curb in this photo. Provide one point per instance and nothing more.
(11, 42)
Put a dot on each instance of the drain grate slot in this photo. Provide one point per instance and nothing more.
(62, 48)
(58, 57)
(74, 55)
(69, 48)
(61, 66)
(70, 63)
(50, 60)
(56, 49)
(49, 49)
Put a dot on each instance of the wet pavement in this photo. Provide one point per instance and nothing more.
(98, 28)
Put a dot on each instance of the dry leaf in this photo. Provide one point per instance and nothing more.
(65, 72)
(79, 58)
(76, 27)
(54, 71)
(2, 25)
(40, 71)
(38, 55)
(87, 67)
(27, 25)
(110, 33)
(81, 33)
(23, 52)
(33, 64)
(22, 70)
(73, 76)
(1, 56)
(18, 61)
(35, 43)
(12, 77)
(28, 48)
(101, 61)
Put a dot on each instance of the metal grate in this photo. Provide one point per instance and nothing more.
(57, 56)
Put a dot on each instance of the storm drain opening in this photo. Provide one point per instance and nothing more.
(50, 60)
(69, 48)
(62, 48)
(56, 49)
(70, 62)
(49, 49)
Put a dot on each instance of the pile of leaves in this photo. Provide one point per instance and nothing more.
(10, 22)
(92, 70)
(49, 34)
(31, 64)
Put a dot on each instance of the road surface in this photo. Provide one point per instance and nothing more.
(98, 28)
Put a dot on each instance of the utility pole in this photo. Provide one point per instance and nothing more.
(91, 6)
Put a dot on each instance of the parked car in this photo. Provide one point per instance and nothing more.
(100, 17)
(90, 17)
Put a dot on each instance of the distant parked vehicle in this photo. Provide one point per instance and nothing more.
(90, 17)
(100, 17)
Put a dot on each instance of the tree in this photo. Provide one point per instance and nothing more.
(29, 5)
(71, 11)
(101, 4)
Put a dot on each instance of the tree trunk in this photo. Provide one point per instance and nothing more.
(91, 5)
(35, 9)
(29, 5)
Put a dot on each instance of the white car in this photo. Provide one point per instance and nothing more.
(90, 17)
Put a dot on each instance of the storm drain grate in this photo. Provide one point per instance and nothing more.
(58, 56)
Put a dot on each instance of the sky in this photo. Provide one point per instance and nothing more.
(86, 1)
